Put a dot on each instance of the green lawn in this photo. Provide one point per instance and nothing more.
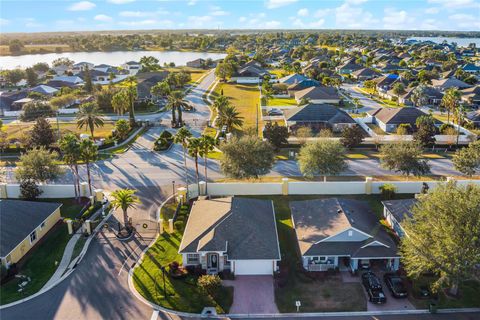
(282, 102)
(182, 294)
(377, 129)
(71, 208)
(40, 264)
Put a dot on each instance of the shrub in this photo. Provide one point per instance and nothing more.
(174, 266)
(404, 129)
(444, 128)
(388, 191)
(91, 210)
(210, 283)
(29, 190)
(166, 135)
(178, 225)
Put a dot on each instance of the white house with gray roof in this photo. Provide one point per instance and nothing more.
(235, 234)
(341, 233)
(396, 211)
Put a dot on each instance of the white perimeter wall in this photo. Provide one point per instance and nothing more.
(12, 191)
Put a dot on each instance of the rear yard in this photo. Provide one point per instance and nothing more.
(282, 102)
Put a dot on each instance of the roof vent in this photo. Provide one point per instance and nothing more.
(339, 211)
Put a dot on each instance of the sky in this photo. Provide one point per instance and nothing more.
(86, 15)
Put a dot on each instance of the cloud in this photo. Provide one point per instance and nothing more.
(429, 24)
(142, 14)
(32, 23)
(217, 11)
(351, 17)
(273, 24)
(192, 2)
(300, 23)
(397, 19)
(453, 4)
(355, 2)
(432, 10)
(322, 13)
(200, 21)
(120, 1)
(82, 6)
(273, 4)
(302, 12)
(4, 22)
(465, 21)
(317, 24)
(147, 22)
(242, 19)
(103, 18)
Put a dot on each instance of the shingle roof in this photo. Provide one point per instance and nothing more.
(19, 218)
(316, 220)
(365, 72)
(400, 209)
(397, 115)
(244, 227)
(44, 89)
(315, 93)
(293, 78)
(450, 83)
(318, 113)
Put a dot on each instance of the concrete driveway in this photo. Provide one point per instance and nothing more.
(252, 294)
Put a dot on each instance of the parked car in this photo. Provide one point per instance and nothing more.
(396, 285)
(371, 281)
(376, 296)
(275, 112)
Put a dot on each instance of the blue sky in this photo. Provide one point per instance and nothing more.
(59, 15)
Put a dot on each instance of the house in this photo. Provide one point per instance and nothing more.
(301, 86)
(44, 89)
(81, 66)
(474, 118)
(444, 84)
(104, 68)
(471, 95)
(396, 211)
(22, 225)
(18, 104)
(341, 233)
(132, 67)
(235, 234)
(433, 97)
(8, 98)
(197, 63)
(71, 80)
(317, 117)
(146, 80)
(318, 94)
(471, 68)
(388, 119)
(249, 74)
(385, 83)
(292, 79)
(365, 74)
(348, 67)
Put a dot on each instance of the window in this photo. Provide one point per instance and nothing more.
(350, 233)
(42, 225)
(193, 258)
(33, 236)
(323, 258)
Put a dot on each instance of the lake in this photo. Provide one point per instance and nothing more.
(115, 58)
(461, 42)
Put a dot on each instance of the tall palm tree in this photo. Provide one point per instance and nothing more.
(220, 102)
(89, 154)
(229, 117)
(131, 86)
(207, 143)
(194, 151)
(120, 102)
(175, 102)
(182, 137)
(89, 117)
(70, 149)
(419, 95)
(450, 101)
(125, 199)
(459, 114)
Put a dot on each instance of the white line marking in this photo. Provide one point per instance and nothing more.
(154, 315)
(123, 264)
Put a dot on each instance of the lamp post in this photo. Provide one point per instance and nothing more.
(173, 191)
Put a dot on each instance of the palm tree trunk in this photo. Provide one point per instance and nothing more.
(196, 172)
(206, 178)
(448, 115)
(91, 131)
(180, 120)
(174, 119)
(131, 112)
(186, 171)
(77, 179)
(89, 178)
(74, 182)
(125, 218)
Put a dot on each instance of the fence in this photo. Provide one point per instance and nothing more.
(12, 191)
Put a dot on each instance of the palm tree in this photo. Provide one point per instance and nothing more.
(229, 117)
(131, 87)
(194, 151)
(120, 102)
(175, 102)
(207, 143)
(70, 149)
(182, 137)
(220, 102)
(89, 154)
(419, 95)
(356, 102)
(459, 114)
(450, 101)
(125, 199)
(89, 117)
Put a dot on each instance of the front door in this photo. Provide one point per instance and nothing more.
(212, 261)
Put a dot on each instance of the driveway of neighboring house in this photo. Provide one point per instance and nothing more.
(252, 294)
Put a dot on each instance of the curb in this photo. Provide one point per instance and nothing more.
(69, 271)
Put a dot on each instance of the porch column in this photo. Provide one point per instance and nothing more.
(335, 261)
(354, 264)
(285, 186)
(396, 264)
(368, 185)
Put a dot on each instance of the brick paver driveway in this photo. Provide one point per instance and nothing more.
(252, 294)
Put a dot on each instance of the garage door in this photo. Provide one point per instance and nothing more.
(253, 267)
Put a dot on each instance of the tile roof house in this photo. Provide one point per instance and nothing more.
(292, 79)
(444, 84)
(146, 80)
(197, 63)
(348, 67)
(365, 74)
(22, 225)
(388, 119)
(471, 95)
(236, 234)
(396, 211)
(45, 90)
(471, 68)
(320, 94)
(249, 74)
(341, 233)
(317, 117)
(301, 85)
(433, 96)
(8, 98)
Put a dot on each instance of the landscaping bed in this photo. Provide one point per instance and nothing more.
(182, 294)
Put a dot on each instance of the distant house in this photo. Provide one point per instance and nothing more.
(341, 233)
(444, 84)
(22, 225)
(318, 95)
(18, 104)
(432, 95)
(471, 68)
(234, 234)
(44, 89)
(197, 63)
(8, 98)
(292, 79)
(249, 74)
(365, 74)
(72, 80)
(471, 95)
(298, 86)
(81, 66)
(132, 67)
(396, 211)
(317, 117)
(388, 119)
(348, 67)
(385, 83)
(145, 82)
(104, 68)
